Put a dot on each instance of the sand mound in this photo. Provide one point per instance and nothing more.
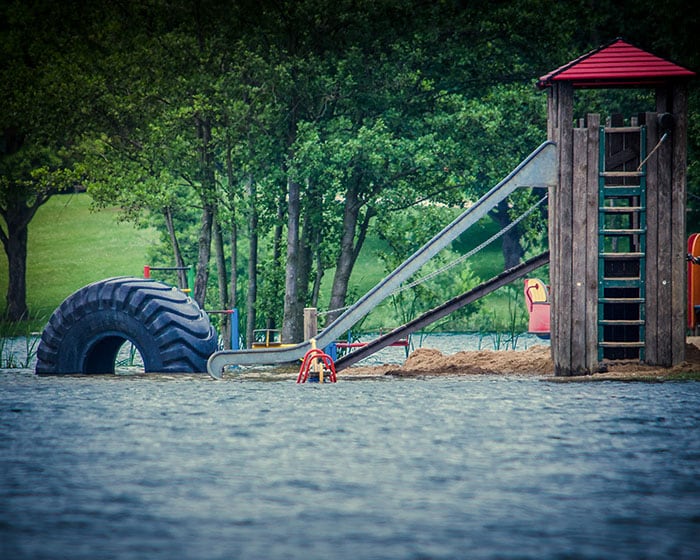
(427, 361)
(532, 361)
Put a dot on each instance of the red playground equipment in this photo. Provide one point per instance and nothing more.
(318, 363)
(693, 282)
(538, 306)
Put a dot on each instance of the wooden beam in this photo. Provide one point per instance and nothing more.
(678, 220)
(591, 277)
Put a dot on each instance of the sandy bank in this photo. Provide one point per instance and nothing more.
(534, 361)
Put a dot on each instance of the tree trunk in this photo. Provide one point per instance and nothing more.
(305, 260)
(510, 244)
(208, 198)
(17, 215)
(203, 255)
(293, 323)
(512, 251)
(177, 253)
(225, 331)
(233, 235)
(16, 250)
(349, 251)
(311, 247)
(233, 240)
(271, 322)
(319, 270)
(252, 263)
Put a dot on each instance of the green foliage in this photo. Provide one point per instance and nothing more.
(504, 324)
(438, 280)
(371, 106)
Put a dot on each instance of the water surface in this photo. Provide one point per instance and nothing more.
(163, 467)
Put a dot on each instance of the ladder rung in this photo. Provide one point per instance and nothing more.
(622, 129)
(621, 174)
(612, 344)
(621, 209)
(621, 282)
(621, 256)
(622, 191)
(622, 231)
(621, 300)
(621, 322)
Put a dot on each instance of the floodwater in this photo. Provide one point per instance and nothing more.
(167, 466)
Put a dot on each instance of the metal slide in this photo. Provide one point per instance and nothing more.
(443, 310)
(537, 170)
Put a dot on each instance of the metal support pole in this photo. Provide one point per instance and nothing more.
(234, 330)
(190, 279)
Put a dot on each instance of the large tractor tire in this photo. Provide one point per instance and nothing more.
(84, 335)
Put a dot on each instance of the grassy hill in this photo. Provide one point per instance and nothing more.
(71, 246)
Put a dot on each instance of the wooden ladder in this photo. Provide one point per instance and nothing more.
(622, 232)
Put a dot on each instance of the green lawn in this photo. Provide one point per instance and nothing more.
(71, 246)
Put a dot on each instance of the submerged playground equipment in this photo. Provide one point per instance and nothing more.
(616, 235)
(617, 215)
(537, 170)
(86, 332)
(173, 334)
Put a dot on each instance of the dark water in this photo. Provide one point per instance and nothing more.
(167, 467)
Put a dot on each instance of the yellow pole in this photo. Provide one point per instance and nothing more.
(315, 363)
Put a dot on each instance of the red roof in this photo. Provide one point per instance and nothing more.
(616, 64)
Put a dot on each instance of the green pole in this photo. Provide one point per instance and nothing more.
(190, 279)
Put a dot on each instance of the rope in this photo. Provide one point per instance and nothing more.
(474, 251)
(459, 260)
(661, 140)
(322, 313)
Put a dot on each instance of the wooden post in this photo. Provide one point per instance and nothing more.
(562, 235)
(679, 109)
(592, 226)
(579, 250)
(310, 322)
(310, 332)
(664, 254)
(576, 311)
(666, 221)
(651, 342)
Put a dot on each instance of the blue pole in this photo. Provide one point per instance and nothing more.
(234, 330)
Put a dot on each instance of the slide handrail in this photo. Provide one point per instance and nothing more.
(539, 169)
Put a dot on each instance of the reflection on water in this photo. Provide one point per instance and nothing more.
(486, 467)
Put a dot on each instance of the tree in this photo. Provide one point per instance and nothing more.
(305, 118)
(170, 115)
(21, 195)
(43, 84)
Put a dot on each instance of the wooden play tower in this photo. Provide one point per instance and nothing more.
(617, 216)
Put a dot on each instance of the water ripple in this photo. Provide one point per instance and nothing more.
(485, 467)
